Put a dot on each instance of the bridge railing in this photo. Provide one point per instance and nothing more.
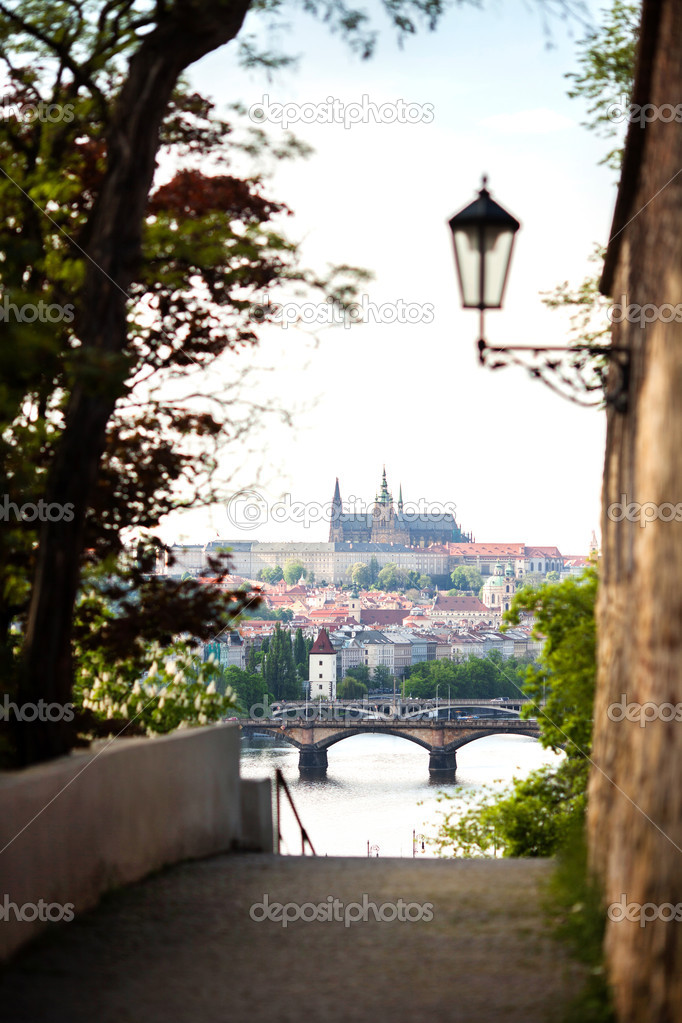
(396, 722)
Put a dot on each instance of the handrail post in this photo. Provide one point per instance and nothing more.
(304, 834)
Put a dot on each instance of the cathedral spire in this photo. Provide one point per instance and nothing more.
(384, 496)
(335, 523)
(400, 498)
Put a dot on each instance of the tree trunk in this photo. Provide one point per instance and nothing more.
(186, 33)
(635, 797)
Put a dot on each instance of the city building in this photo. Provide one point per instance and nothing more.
(499, 589)
(524, 559)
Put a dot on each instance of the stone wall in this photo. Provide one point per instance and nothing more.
(83, 824)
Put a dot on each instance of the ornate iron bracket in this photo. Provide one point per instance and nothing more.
(580, 373)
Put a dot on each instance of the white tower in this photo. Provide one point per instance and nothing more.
(322, 668)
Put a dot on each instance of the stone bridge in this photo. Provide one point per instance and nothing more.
(442, 738)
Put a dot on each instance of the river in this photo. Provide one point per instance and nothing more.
(378, 792)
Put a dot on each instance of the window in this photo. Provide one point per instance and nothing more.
(320, 663)
(320, 676)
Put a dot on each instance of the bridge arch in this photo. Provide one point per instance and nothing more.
(350, 732)
(465, 740)
(277, 733)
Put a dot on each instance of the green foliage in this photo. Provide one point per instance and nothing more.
(293, 570)
(606, 56)
(350, 688)
(279, 670)
(541, 811)
(248, 686)
(361, 575)
(271, 575)
(392, 578)
(300, 650)
(564, 675)
(253, 659)
(475, 678)
(534, 819)
(589, 323)
(359, 672)
(466, 577)
(382, 677)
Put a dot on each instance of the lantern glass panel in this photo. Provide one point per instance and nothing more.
(484, 290)
(497, 247)
(468, 259)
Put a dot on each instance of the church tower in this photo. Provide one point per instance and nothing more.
(387, 527)
(382, 514)
(335, 524)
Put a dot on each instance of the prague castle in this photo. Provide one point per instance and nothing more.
(387, 523)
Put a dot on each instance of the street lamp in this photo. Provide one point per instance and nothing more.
(483, 236)
(437, 688)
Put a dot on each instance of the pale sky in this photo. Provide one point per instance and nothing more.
(519, 463)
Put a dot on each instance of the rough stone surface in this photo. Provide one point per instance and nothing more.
(181, 947)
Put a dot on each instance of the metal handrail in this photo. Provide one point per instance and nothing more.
(280, 783)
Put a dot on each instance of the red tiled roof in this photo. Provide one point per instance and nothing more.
(459, 604)
(501, 550)
(381, 617)
(322, 644)
(488, 550)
